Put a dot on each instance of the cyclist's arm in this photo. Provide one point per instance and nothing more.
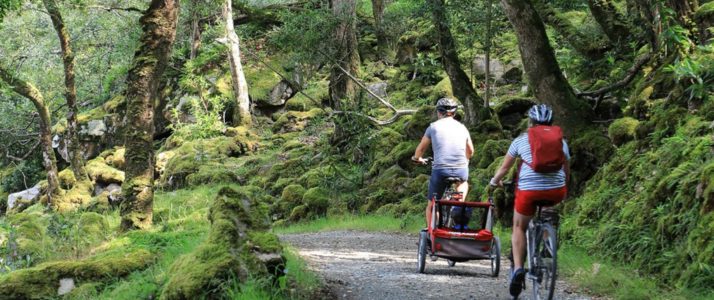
(425, 142)
(508, 162)
(469, 149)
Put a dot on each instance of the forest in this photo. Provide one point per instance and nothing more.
(185, 149)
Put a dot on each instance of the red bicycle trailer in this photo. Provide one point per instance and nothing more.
(459, 243)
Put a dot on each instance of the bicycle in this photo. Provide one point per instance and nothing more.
(542, 253)
(541, 250)
(443, 239)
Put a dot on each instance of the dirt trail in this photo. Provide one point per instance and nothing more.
(372, 265)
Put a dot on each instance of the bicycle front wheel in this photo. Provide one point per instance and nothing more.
(545, 266)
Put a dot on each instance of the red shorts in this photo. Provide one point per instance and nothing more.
(525, 199)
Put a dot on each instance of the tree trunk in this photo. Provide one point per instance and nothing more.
(347, 55)
(242, 115)
(460, 82)
(648, 13)
(195, 29)
(75, 149)
(610, 20)
(592, 47)
(541, 67)
(159, 26)
(49, 161)
(378, 12)
(489, 36)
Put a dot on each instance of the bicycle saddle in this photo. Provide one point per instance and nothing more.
(543, 203)
(450, 180)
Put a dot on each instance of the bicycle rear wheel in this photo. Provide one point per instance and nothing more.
(421, 252)
(544, 263)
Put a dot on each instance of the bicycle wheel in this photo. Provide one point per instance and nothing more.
(421, 252)
(545, 267)
(495, 256)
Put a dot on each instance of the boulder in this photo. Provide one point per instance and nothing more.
(502, 72)
(378, 88)
(23, 197)
(280, 93)
(95, 128)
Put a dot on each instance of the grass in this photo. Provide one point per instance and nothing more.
(591, 275)
(356, 222)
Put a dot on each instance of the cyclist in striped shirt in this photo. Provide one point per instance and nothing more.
(532, 186)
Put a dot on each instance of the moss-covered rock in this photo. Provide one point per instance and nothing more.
(419, 121)
(100, 172)
(238, 246)
(30, 234)
(42, 282)
(491, 150)
(80, 195)
(317, 200)
(66, 178)
(441, 90)
(195, 157)
(295, 120)
(93, 226)
(622, 130)
(116, 158)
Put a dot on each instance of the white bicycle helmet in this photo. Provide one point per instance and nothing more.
(541, 114)
(446, 105)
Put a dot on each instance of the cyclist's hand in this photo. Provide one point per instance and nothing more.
(495, 183)
(419, 160)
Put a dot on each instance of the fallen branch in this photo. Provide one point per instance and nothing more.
(25, 156)
(112, 8)
(394, 118)
(631, 73)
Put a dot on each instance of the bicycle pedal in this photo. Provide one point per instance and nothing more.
(433, 257)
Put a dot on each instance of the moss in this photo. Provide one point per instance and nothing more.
(66, 178)
(41, 282)
(401, 155)
(317, 200)
(261, 81)
(589, 150)
(99, 171)
(31, 234)
(318, 91)
(70, 200)
(191, 157)
(704, 11)
(295, 120)
(491, 150)
(292, 195)
(238, 246)
(419, 121)
(211, 173)
(622, 130)
(300, 212)
(442, 89)
(115, 104)
(116, 159)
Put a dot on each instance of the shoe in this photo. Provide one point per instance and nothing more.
(517, 279)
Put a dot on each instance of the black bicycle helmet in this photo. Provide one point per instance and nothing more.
(445, 105)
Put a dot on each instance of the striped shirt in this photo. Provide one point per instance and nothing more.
(529, 180)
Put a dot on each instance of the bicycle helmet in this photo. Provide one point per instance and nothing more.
(541, 114)
(445, 105)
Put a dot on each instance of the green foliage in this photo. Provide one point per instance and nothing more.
(646, 206)
(25, 175)
(622, 130)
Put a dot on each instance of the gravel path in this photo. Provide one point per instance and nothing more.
(373, 265)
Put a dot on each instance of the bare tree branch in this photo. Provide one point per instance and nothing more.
(631, 73)
(114, 8)
(375, 121)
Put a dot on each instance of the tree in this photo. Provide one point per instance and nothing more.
(240, 86)
(612, 22)
(460, 82)
(49, 161)
(159, 32)
(541, 67)
(378, 12)
(75, 150)
(592, 47)
(347, 55)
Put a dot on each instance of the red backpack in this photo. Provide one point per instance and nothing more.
(546, 148)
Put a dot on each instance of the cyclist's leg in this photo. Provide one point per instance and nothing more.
(464, 186)
(436, 186)
(523, 211)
